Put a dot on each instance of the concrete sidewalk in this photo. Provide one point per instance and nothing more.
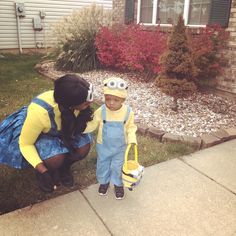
(194, 195)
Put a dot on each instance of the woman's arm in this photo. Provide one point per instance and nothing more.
(32, 128)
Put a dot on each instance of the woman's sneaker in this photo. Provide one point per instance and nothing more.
(103, 189)
(119, 192)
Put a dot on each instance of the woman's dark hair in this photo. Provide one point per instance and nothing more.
(71, 90)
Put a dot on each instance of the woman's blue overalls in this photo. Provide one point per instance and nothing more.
(48, 144)
(112, 150)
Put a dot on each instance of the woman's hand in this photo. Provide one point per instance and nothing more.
(41, 168)
(44, 178)
(45, 181)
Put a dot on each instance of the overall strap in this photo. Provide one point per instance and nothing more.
(103, 107)
(49, 109)
(127, 114)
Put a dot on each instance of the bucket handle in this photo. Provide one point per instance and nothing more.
(127, 154)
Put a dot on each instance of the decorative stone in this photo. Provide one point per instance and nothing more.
(209, 140)
(156, 133)
(195, 142)
(231, 132)
(172, 138)
(142, 129)
(221, 134)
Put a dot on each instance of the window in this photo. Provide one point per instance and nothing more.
(146, 11)
(195, 12)
(199, 11)
(169, 10)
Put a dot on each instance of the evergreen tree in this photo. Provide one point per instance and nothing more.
(177, 77)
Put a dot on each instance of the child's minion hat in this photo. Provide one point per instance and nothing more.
(115, 86)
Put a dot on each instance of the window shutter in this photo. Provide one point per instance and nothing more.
(220, 11)
(129, 11)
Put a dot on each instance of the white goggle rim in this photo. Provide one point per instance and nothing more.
(90, 93)
(122, 85)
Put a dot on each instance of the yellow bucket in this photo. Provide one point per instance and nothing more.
(131, 171)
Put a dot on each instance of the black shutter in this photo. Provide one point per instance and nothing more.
(129, 11)
(220, 12)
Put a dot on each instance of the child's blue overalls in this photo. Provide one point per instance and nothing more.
(112, 150)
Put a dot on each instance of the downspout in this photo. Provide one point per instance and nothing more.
(18, 34)
(20, 12)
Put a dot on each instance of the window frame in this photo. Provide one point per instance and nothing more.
(154, 14)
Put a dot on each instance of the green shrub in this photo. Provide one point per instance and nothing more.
(177, 77)
(76, 35)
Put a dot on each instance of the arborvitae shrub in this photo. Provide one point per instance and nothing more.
(76, 35)
(178, 71)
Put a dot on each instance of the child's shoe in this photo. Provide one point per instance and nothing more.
(103, 189)
(119, 192)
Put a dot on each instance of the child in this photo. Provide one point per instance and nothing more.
(116, 129)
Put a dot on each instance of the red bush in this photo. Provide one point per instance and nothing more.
(130, 48)
(206, 47)
(135, 49)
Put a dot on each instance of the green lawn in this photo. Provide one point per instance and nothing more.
(19, 83)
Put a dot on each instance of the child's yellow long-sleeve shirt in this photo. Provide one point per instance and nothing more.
(119, 115)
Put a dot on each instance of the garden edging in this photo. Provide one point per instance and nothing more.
(204, 141)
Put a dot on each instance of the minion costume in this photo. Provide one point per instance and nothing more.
(116, 129)
(32, 134)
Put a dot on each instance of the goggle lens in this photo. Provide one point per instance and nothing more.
(116, 85)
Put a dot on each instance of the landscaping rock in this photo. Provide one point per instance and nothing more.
(231, 132)
(142, 129)
(172, 138)
(209, 140)
(222, 135)
(195, 142)
(155, 133)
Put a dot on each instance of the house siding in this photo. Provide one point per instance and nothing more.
(225, 82)
(54, 9)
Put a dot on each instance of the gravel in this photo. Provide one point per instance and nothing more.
(199, 114)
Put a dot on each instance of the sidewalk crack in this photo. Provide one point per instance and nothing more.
(202, 173)
(86, 199)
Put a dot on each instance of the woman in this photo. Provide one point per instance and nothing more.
(48, 133)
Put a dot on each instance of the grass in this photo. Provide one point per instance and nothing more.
(18, 188)
(19, 82)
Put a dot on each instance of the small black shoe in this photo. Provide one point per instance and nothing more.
(103, 189)
(119, 192)
(45, 181)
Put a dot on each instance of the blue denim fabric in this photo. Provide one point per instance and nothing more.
(47, 145)
(112, 150)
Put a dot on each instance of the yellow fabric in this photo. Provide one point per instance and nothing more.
(37, 121)
(97, 122)
(121, 93)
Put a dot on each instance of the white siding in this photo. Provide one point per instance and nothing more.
(54, 9)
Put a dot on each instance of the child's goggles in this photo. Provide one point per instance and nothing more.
(90, 93)
(112, 84)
